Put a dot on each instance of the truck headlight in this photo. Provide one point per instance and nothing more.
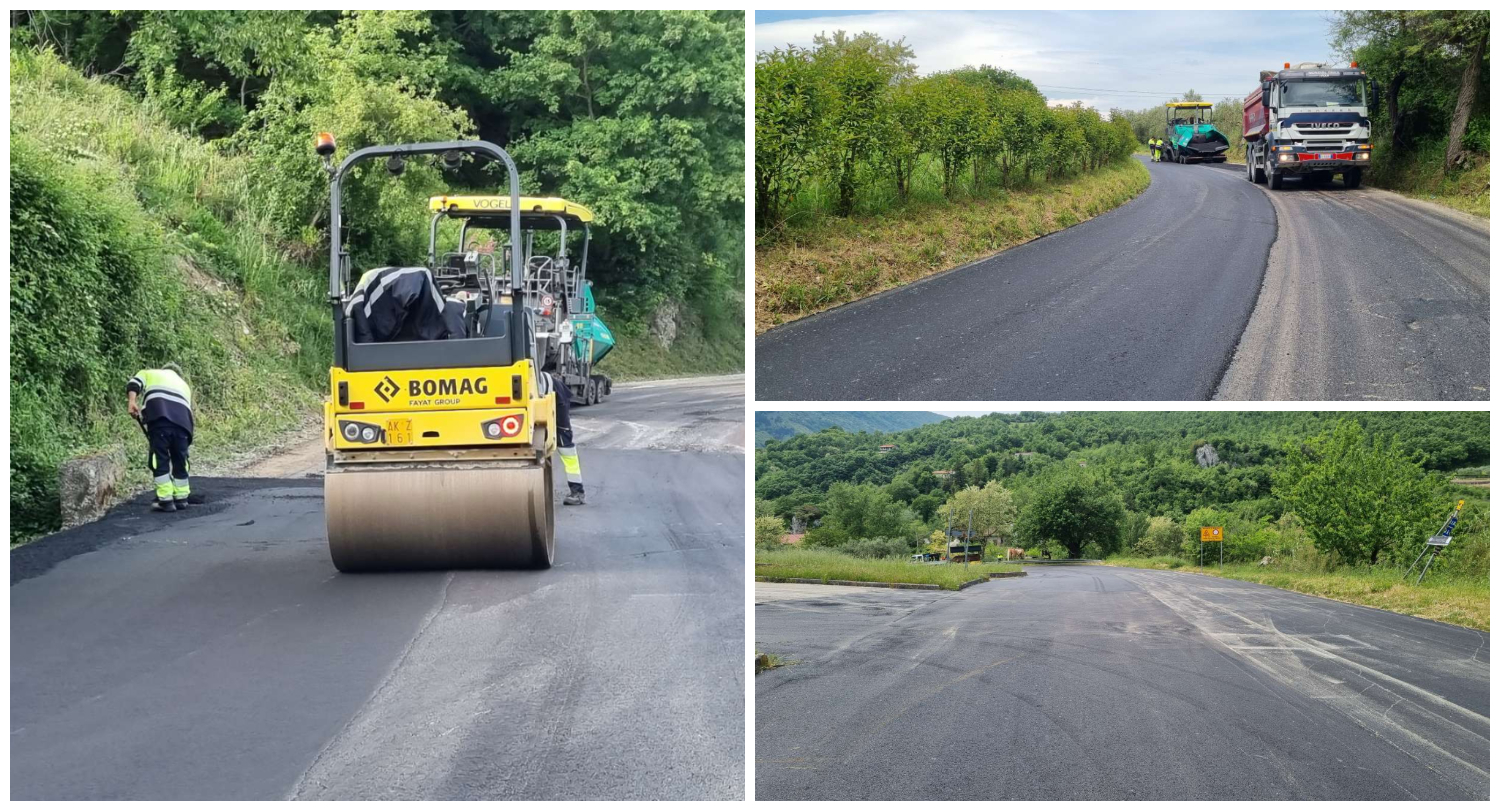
(1361, 156)
(1285, 158)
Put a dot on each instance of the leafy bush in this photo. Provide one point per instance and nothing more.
(768, 532)
(877, 548)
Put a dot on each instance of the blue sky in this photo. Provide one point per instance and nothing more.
(1104, 59)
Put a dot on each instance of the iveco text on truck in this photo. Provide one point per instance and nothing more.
(1312, 120)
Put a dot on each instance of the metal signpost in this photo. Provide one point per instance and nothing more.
(1435, 544)
(1210, 535)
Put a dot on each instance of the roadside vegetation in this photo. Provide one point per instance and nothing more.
(166, 203)
(1432, 120)
(767, 661)
(868, 176)
(1336, 504)
(830, 564)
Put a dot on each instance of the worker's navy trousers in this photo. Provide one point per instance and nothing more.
(169, 459)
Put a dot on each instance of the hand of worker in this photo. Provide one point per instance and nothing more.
(134, 409)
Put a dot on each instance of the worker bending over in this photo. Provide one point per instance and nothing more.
(565, 448)
(162, 402)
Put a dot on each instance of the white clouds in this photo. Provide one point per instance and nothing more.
(1075, 55)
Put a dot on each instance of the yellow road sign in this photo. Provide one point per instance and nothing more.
(1210, 534)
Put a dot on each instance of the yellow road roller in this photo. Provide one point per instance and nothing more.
(439, 425)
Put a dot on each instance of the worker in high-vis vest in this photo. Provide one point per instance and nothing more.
(565, 448)
(163, 403)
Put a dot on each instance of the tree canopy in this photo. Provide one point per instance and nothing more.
(1357, 486)
(639, 115)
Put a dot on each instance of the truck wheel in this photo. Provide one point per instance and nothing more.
(1249, 169)
(1353, 178)
(1273, 178)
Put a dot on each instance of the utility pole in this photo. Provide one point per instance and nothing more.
(968, 537)
(948, 535)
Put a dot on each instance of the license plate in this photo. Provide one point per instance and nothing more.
(1325, 156)
(398, 432)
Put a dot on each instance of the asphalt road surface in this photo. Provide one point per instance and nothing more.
(1100, 683)
(1368, 296)
(219, 655)
(1365, 294)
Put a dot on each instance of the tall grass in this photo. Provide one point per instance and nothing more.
(829, 564)
(1420, 173)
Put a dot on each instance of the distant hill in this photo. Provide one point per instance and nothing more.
(782, 424)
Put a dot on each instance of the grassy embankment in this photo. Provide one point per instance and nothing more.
(1420, 174)
(133, 244)
(827, 564)
(822, 261)
(1447, 598)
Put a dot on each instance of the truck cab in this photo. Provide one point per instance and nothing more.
(1311, 121)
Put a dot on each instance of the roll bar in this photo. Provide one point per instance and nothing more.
(336, 282)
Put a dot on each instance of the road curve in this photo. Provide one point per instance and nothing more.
(1367, 296)
(1145, 302)
(1101, 683)
(219, 655)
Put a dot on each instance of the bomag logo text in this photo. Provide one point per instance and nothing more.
(447, 387)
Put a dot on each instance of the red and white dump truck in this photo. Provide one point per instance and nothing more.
(1312, 121)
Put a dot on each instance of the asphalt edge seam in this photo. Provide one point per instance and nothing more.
(1265, 268)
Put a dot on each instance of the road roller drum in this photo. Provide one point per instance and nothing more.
(440, 516)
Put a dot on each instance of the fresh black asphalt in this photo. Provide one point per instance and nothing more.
(1203, 286)
(1101, 683)
(218, 654)
(1144, 302)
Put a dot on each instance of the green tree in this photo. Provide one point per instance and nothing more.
(865, 511)
(1428, 63)
(856, 73)
(994, 511)
(899, 145)
(1359, 495)
(1075, 509)
(786, 118)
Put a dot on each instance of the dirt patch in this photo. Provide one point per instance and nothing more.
(297, 453)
